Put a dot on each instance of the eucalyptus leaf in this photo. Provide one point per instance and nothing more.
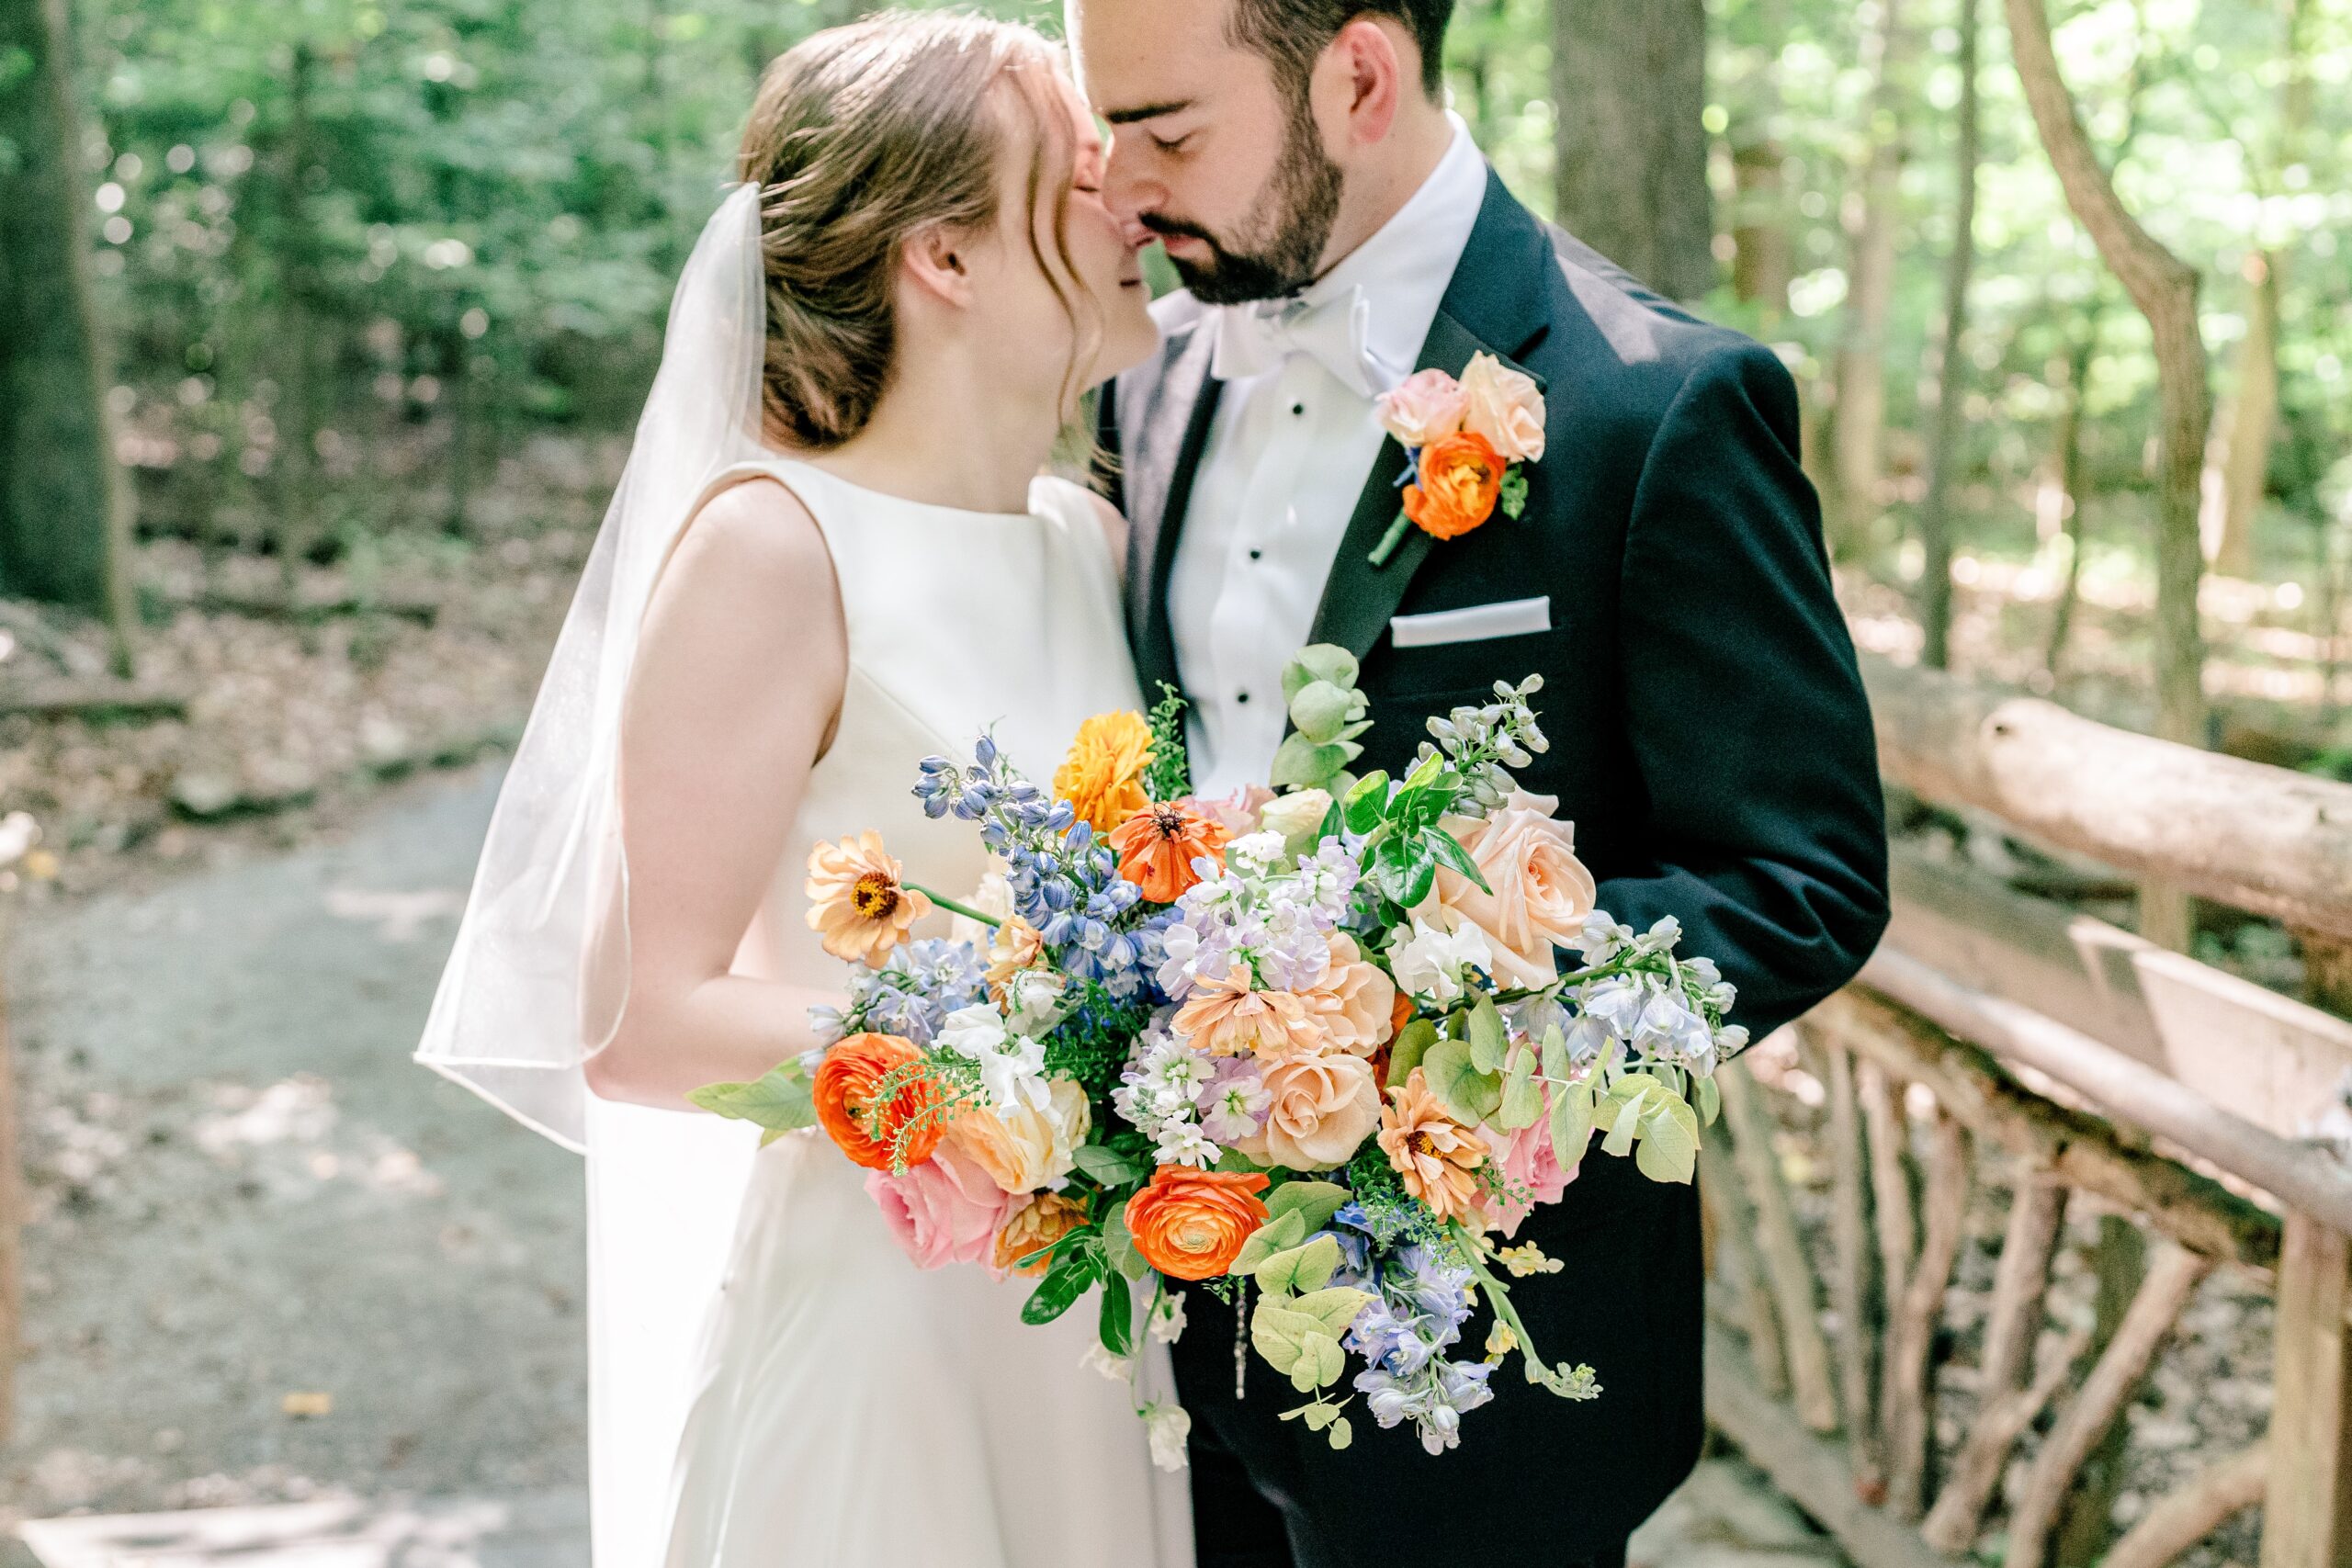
(1334, 1306)
(1489, 1039)
(1274, 1236)
(1468, 1095)
(1709, 1100)
(1299, 1269)
(1319, 661)
(1571, 1123)
(1314, 1201)
(1119, 1245)
(1279, 1333)
(1556, 1053)
(1523, 1096)
(1409, 1048)
(1300, 763)
(1669, 1145)
(1341, 1434)
(1322, 711)
(778, 1099)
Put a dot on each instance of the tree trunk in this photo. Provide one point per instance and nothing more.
(2252, 423)
(2164, 289)
(1861, 355)
(1631, 83)
(64, 507)
(2070, 489)
(1952, 369)
(298, 519)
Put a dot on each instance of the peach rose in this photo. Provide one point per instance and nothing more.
(1034, 1225)
(1461, 478)
(1190, 1224)
(1025, 1148)
(1427, 407)
(1236, 813)
(1356, 1002)
(944, 1211)
(1323, 1109)
(1542, 892)
(1504, 406)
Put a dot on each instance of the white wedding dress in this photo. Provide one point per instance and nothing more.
(837, 1407)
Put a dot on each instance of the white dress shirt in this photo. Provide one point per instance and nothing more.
(1293, 443)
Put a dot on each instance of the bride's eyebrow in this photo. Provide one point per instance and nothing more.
(1146, 111)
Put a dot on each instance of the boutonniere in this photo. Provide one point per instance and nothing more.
(1467, 444)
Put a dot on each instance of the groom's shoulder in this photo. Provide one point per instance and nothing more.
(1649, 350)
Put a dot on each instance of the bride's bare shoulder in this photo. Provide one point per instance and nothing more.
(752, 561)
(760, 524)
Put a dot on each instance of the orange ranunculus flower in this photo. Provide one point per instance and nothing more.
(1103, 776)
(845, 1088)
(1037, 1223)
(1461, 479)
(1158, 845)
(1190, 1224)
(857, 905)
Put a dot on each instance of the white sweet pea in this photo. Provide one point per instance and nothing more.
(1430, 962)
(1033, 1002)
(1168, 1317)
(1169, 1427)
(1253, 855)
(1182, 1143)
(1117, 1369)
(975, 1031)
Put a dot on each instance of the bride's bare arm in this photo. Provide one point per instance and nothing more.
(736, 686)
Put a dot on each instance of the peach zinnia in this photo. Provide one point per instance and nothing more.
(1437, 1156)
(1158, 845)
(846, 1083)
(1225, 1018)
(1190, 1225)
(1103, 776)
(857, 905)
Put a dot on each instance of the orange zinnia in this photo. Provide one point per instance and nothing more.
(857, 905)
(1225, 1018)
(1103, 776)
(1190, 1225)
(1461, 478)
(845, 1087)
(1435, 1156)
(1158, 845)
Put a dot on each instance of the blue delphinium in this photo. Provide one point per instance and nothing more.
(1421, 1302)
(913, 995)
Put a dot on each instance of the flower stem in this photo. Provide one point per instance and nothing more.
(953, 908)
(1389, 541)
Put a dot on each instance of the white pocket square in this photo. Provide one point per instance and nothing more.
(1475, 623)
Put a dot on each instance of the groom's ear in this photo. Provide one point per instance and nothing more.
(1359, 83)
(934, 260)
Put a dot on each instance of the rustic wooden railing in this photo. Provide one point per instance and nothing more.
(2001, 1039)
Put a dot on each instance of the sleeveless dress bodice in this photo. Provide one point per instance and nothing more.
(838, 1407)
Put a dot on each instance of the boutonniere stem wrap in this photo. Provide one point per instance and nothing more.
(1467, 443)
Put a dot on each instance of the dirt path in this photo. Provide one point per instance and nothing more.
(248, 1202)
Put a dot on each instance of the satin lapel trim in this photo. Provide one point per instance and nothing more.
(1358, 598)
(1156, 660)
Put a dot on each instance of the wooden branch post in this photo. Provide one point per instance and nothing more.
(2184, 1516)
(1738, 1263)
(1849, 1291)
(12, 1204)
(1785, 1268)
(1910, 1374)
(2307, 1521)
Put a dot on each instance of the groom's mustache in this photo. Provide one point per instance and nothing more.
(1164, 226)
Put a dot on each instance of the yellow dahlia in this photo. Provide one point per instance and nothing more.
(857, 905)
(1103, 776)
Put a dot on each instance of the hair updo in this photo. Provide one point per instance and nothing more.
(860, 137)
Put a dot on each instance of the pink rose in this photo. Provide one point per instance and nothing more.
(1324, 1107)
(1531, 1170)
(1505, 406)
(946, 1210)
(1355, 1002)
(1236, 813)
(1541, 891)
(1428, 406)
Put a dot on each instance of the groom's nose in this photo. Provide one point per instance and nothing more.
(1129, 192)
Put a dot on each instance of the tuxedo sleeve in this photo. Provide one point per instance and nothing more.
(1750, 728)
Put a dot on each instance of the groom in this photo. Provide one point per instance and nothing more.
(1337, 229)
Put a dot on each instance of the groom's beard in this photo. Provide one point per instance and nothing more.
(1303, 198)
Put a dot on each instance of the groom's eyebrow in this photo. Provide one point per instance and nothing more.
(1145, 111)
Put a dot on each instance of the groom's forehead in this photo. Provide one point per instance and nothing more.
(1149, 54)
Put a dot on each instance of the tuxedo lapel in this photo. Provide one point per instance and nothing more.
(1172, 433)
(1494, 305)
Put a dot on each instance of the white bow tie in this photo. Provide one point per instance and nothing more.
(1336, 333)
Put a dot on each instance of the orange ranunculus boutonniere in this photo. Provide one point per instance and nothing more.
(1190, 1224)
(1460, 480)
(1469, 442)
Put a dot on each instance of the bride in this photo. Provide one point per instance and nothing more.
(829, 557)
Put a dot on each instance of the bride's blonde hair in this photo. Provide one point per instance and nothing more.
(860, 137)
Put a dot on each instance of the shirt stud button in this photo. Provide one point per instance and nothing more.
(1298, 408)
(1241, 696)
(1255, 554)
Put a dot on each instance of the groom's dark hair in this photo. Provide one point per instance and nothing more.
(1292, 33)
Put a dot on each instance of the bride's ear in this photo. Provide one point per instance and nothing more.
(936, 261)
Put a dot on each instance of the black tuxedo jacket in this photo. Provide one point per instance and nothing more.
(1710, 741)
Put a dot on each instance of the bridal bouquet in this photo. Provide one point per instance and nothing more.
(1314, 1037)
